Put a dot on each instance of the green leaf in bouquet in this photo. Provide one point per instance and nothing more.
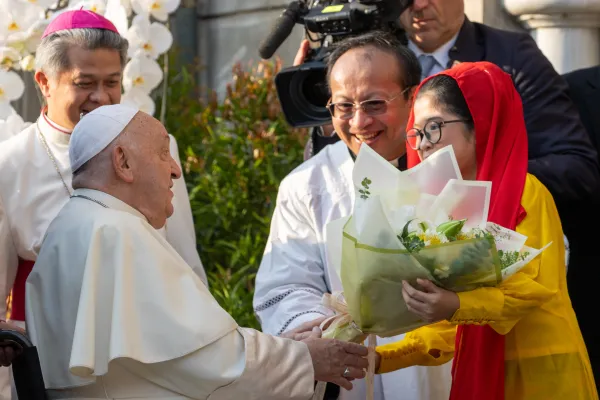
(508, 258)
(462, 265)
(451, 228)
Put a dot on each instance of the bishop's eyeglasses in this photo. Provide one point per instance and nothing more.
(432, 131)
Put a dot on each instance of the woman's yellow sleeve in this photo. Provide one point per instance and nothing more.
(430, 345)
(501, 307)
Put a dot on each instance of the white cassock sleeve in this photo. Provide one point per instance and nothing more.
(291, 279)
(8, 259)
(180, 230)
(245, 364)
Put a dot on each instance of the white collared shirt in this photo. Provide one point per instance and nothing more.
(441, 54)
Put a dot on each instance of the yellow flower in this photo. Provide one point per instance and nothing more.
(463, 236)
(433, 239)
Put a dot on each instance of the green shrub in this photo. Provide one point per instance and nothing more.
(235, 152)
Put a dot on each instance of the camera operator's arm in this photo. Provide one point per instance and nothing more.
(291, 279)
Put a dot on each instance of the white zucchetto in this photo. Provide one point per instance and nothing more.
(97, 130)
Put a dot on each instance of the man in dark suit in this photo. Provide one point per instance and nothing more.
(583, 274)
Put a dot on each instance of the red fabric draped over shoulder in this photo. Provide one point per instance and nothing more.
(501, 147)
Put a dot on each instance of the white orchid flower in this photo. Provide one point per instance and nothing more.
(27, 63)
(97, 6)
(45, 4)
(6, 110)
(127, 6)
(117, 14)
(138, 99)
(149, 39)
(11, 126)
(34, 37)
(11, 89)
(142, 73)
(9, 57)
(16, 18)
(159, 9)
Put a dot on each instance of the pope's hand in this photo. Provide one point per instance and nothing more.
(304, 331)
(433, 303)
(336, 361)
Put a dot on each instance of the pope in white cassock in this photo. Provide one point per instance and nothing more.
(79, 66)
(116, 312)
(371, 78)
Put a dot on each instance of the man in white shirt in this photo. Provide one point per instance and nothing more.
(116, 312)
(296, 270)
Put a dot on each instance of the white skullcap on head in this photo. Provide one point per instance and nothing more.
(97, 130)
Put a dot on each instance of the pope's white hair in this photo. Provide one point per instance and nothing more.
(52, 55)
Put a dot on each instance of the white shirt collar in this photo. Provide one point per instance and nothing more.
(440, 55)
(108, 200)
(52, 131)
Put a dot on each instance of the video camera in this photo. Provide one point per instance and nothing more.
(303, 90)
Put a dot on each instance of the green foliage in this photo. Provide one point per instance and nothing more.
(235, 151)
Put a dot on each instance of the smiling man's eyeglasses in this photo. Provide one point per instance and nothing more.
(345, 110)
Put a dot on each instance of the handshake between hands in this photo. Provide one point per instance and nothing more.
(341, 362)
(333, 360)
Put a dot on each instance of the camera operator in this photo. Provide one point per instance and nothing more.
(371, 78)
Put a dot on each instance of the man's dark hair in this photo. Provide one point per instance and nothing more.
(410, 69)
(448, 96)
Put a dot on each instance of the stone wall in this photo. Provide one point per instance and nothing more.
(230, 31)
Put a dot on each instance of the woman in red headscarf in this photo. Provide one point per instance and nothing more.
(519, 340)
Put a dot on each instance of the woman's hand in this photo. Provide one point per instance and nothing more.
(433, 303)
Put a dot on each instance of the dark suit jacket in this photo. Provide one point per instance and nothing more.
(584, 271)
(584, 89)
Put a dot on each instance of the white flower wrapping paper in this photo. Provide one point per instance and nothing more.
(368, 255)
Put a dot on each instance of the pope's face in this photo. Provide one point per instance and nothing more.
(93, 80)
(155, 171)
(370, 74)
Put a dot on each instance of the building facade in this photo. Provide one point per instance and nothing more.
(220, 33)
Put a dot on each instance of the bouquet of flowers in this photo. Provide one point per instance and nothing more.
(425, 223)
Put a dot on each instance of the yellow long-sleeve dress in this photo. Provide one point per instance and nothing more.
(545, 356)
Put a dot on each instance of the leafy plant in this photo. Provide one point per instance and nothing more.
(235, 151)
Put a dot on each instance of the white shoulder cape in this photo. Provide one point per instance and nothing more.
(107, 285)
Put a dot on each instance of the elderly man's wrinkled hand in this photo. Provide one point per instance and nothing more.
(306, 330)
(337, 362)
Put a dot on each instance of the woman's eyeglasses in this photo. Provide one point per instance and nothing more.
(432, 131)
(345, 110)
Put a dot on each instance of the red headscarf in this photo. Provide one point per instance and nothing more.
(501, 151)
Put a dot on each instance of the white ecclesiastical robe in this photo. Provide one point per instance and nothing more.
(294, 273)
(32, 193)
(115, 312)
